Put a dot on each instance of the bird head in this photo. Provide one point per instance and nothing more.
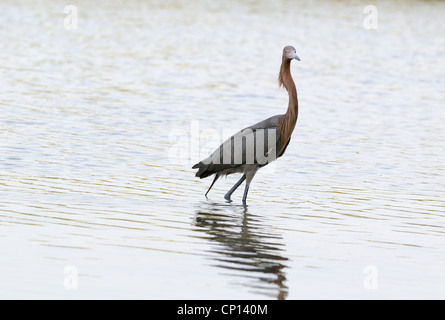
(290, 53)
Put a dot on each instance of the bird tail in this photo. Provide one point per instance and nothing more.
(203, 170)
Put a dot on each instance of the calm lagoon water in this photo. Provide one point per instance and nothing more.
(102, 121)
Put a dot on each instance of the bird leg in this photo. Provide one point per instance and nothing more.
(245, 194)
(229, 193)
(214, 180)
(250, 173)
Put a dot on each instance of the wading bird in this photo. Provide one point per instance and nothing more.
(255, 146)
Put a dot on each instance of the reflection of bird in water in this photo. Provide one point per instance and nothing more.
(246, 247)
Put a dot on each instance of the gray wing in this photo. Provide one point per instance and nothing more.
(256, 144)
(267, 123)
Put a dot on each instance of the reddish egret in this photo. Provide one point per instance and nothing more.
(247, 151)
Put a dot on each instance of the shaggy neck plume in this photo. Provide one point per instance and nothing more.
(288, 121)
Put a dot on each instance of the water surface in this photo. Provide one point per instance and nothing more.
(100, 126)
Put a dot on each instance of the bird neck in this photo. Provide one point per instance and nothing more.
(289, 120)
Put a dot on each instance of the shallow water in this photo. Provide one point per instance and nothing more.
(100, 126)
